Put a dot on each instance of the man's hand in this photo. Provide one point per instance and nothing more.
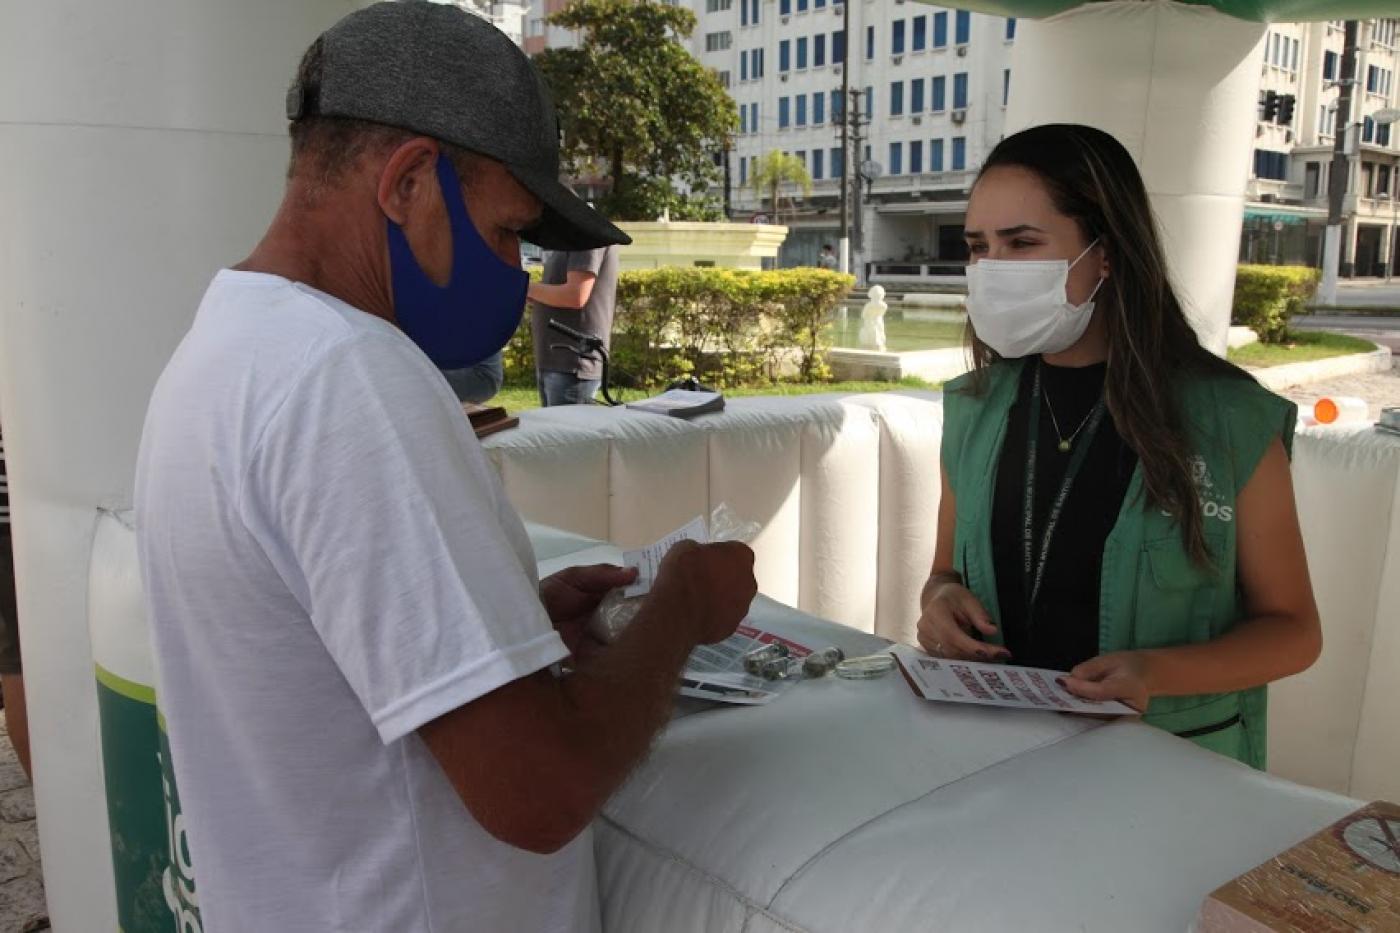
(713, 583)
(1122, 675)
(571, 595)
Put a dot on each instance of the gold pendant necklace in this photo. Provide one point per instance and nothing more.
(1065, 442)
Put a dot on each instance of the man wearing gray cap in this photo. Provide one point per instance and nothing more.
(369, 725)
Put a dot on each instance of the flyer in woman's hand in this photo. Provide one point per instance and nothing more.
(996, 685)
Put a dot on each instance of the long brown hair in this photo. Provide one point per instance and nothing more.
(1091, 179)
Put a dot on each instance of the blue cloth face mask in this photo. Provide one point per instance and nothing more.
(477, 312)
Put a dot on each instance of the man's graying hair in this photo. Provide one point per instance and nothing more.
(325, 148)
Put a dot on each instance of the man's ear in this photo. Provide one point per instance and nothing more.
(409, 176)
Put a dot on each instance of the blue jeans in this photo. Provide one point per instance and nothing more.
(565, 388)
(477, 383)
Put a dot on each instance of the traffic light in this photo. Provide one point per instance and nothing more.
(1285, 109)
(1271, 102)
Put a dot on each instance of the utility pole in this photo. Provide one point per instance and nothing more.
(728, 180)
(1340, 175)
(857, 138)
(845, 248)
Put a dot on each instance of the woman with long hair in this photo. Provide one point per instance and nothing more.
(1117, 501)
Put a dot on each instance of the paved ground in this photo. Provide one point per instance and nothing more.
(1379, 389)
(22, 907)
(1369, 293)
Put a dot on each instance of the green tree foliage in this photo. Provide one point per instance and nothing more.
(774, 171)
(636, 107)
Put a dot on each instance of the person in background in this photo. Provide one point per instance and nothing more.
(11, 671)
(1117, 501)
(827, 260)
(479, 383)
(578, 288)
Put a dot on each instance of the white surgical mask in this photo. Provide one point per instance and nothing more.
(1021, 308)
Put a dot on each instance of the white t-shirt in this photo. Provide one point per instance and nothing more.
(330, 563)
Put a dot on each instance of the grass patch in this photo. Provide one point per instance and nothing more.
(1302, 347)
(517, 399)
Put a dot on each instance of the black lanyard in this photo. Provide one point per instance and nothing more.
(1034, 570)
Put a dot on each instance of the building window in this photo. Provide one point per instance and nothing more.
(785, 56)
(1368, 131)
(1383, 134)
(723, 78)
(870, 103)
(743, 173)
(964, 27)
(837, 163)
(919, 42)
(935, 155)
(1312, 180)
(1005, 86)
(818, 109)
(801, 109)
(744, 67)
(783, 114)
(818, 4)
(939, 94)
(718, 41)
(940, 30)
(897, 98)
(743, 12)
(838, 48)
(819, 50)
(838, 107)
(869, 42)
(1010, 28)
(718, 6)
(817, 160)
(916, 95)
(916, 157)
(753, 15)
(897, 37)
(753, 117)
(743, 119)
(802, 6)
(896, 158)
(801, 156)
(1329, 65)
(1270, 165)
(802, 54)
(1297, 47)
(960, 91)
(959, 153)
(757, 63)
(785, 7)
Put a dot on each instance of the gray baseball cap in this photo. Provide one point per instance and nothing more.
(437, 70)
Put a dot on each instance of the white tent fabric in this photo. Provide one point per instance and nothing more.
(848, 805)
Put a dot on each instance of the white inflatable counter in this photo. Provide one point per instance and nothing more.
(853, 806)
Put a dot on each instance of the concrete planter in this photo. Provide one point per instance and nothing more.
(659, 244)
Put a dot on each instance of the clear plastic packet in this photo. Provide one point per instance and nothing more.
(616, 611)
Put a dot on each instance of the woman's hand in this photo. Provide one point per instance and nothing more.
(1122, 675)
(951, 614)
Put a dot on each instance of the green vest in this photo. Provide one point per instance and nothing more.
(1152, 594)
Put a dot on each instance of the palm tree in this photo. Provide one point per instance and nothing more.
(776, 169)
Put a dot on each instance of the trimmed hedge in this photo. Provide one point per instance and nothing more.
(727, 327)
(1265, 296)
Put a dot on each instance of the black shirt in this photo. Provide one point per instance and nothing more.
(1064, 628)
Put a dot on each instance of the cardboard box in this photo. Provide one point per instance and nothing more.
(1345, 878)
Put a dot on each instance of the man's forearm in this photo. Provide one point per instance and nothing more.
(619, 697)
(568, 296)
